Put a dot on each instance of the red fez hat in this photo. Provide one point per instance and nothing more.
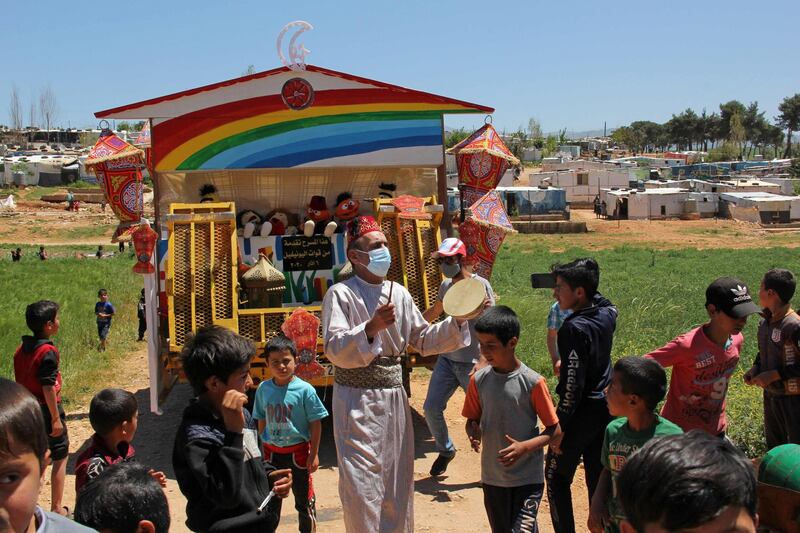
(318, 203)
(360, 226)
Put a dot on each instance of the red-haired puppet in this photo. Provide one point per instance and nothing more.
(318, 218)
(346, 210)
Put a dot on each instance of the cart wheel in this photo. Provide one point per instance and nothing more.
(407, 380)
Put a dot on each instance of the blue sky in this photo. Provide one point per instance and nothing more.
(572, 65)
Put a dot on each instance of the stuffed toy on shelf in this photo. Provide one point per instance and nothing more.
(346, 210)
(318, 218)
(280, 222)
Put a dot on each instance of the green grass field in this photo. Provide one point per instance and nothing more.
(659, 294)
(73, 283)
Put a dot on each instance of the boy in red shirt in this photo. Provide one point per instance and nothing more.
(114, 415)
(704, 359)
(36, 367)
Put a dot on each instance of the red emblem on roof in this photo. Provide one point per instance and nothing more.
(297, 94)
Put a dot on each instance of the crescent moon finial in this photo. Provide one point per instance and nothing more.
(297, 52)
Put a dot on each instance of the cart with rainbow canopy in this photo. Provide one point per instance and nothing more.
(261, 147)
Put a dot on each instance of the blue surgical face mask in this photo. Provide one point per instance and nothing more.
(380, 259)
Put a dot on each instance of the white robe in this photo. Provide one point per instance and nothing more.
(373, 427)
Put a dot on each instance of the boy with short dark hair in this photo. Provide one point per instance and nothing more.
(688, 482)
(37, 368)
(504, 403)
(23, 459)
(704, 359)
(637, 386)
(584, 345)
(289, 415)
(104, 311)
(125, 499)
(114, 415)
(216, 457)
(776, 368)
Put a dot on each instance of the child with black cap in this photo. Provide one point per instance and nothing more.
(704, 359)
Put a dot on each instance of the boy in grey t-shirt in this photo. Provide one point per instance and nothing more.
(504, 403)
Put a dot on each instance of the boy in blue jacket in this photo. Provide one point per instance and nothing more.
(584, 344)
(217, 459)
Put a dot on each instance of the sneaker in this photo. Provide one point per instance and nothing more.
(439, 466)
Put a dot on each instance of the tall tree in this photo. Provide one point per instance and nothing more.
(707, 126)
(737, 133)
(534, 129)
(645, 135)
(789, 118)
(32, 118)
(754, 125)
(15, 112)
(726, 111)
(48, 107)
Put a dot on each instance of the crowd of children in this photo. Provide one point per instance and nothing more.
(235, 456)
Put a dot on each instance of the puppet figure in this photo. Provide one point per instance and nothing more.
(208, 193)
(346, 210)
(318, 218)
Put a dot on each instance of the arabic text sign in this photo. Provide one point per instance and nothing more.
(307, 253)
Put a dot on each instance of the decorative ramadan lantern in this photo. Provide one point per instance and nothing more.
(264, 284)
(483, 232)
(482, 159)
(118, 167)
(144, 242)
(303, 328)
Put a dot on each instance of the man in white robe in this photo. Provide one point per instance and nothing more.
(366, 334)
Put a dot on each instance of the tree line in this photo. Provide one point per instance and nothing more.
(736, 131)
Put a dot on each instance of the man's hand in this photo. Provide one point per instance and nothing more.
(557, 367)
(383, 318)
(748, 376)
(313, 463)
(57, 428)
(158, 476)
(509, 455)
(232, 410)
(555, 444)
(764, 379)
(281, 482)
(474, 434)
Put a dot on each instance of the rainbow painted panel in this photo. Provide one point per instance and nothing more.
(342, 128)
(299, 142)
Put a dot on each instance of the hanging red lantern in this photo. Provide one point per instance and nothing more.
(483, 232)
(144, 242)
(118, 167)
(482, 159)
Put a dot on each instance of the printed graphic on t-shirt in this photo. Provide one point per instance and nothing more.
(279, 420)
(710, 385)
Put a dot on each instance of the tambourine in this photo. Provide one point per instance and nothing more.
(465, 299)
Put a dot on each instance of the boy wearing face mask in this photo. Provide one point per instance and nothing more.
(452, 369)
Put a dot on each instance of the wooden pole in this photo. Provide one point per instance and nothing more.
(441, 187)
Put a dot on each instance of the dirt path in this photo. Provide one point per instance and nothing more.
(452, 503)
